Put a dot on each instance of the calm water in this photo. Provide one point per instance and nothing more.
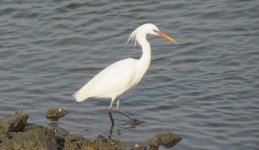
(206, 88)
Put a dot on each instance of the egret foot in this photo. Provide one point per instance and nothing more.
(131, 118)
(136, 122)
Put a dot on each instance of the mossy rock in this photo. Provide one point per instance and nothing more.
(14, 123)
(38, 138)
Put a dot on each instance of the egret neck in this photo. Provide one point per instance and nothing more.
(144, 61)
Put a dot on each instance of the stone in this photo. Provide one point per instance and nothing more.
(3, 136)
(54, 114)
(75, 142)
(60, 137)
(17, 134)
(166, 139)
(138, 147)
(103, 143)
(14, 123)
(153, 141)
(36, 138)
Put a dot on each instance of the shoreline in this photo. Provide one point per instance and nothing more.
(16, 133)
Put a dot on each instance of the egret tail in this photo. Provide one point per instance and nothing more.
(81, 95)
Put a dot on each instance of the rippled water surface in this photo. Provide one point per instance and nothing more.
(206, 88)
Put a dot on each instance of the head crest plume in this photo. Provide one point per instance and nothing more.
(133, 37)
(140, 33)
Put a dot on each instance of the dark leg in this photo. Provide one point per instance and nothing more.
(112, 125)
(111, 118)
(125, 114)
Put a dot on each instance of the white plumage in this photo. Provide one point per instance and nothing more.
(121, 76)
(109, 84)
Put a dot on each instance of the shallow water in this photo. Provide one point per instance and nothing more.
(205, 88)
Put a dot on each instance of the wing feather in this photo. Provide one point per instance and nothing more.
(110, 82)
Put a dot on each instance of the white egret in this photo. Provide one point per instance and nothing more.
(123, 75)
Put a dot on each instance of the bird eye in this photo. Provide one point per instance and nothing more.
(155, 30)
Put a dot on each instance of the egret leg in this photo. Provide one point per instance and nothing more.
(111, 118)
(110, 132)
(125, 114)
(110, 112)
(118, 104)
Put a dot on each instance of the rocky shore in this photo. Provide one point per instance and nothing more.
(17, 134)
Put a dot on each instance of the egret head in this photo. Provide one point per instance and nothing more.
(141, 32)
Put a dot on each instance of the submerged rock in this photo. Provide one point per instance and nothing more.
(166, 139)
(3, 137)
(138, 147)
(103, 143)
(75, 142)
(153, 143)
(54, 114)
(17, 134)
(60, 137)
(33, 138)
(13, 123)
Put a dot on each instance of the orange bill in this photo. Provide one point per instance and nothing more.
(163, 35)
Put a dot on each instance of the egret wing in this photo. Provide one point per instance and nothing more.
(110, 82)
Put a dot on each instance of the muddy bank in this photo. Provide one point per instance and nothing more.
(17, 134)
